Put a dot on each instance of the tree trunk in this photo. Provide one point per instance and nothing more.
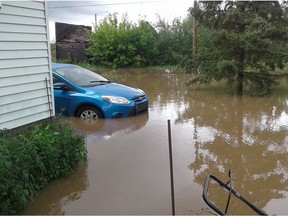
(239, 85)
(240, 74)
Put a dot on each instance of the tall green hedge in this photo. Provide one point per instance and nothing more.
(28, 161)
(122, 44)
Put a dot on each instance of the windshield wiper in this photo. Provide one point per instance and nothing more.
(100, 81)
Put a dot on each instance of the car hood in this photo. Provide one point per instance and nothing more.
(114, 89)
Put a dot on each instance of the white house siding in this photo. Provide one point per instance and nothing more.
(25, 78)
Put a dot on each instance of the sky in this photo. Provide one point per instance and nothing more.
(83, 12)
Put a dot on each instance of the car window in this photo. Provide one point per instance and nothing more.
(81, 76)
(57, 80)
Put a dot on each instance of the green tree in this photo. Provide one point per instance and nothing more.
(247, 42)
(122, 44)
(174, 40)
(144, 38)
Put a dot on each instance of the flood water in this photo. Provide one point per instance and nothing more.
(127, 171)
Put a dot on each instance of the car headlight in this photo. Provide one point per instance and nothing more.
(116, 100)
(140, 90)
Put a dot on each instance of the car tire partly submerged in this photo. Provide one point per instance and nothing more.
(89, 114)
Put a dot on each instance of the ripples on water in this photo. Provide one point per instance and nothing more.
(127, 171)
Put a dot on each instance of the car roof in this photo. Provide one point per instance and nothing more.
(59, 65)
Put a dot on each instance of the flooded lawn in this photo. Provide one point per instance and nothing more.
(127, 171)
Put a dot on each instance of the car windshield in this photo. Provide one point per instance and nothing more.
(81, 76)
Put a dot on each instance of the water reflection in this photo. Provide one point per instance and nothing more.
(248, 135)
(104, 129)
(59, 193)
(212, 132)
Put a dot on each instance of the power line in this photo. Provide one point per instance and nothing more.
(109, 4)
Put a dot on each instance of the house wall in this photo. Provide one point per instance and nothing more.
(72, 41)
(71, 51)
(25, 77)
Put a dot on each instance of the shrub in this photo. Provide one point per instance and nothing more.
(28, 161)
(123, 44)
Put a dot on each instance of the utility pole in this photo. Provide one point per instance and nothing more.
(95, 22)
(194, 31)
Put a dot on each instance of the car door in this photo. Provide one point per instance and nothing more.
(62, 97)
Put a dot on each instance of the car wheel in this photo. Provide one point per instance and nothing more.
(89, 115)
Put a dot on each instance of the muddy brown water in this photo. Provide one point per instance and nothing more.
(127, 171)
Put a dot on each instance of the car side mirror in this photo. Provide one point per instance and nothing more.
(60, 86)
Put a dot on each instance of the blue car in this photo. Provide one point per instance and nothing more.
(82, 93)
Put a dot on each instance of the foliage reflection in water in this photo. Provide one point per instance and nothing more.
(212, 131)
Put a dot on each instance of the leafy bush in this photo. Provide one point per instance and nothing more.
(123, 44)
(174, 40)
(30, 159)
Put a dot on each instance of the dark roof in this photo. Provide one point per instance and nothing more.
(62, 30)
